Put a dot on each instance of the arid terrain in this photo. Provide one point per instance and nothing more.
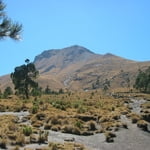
(76, 120)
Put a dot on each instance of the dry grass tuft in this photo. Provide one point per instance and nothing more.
(143, 125)
(134, 117)
(110, 136)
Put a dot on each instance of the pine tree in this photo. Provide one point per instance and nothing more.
(142, 82)
(23, 78)
(7, 27)
(8, 91)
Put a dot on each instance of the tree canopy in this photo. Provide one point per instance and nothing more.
(7, 27)
(142, 82)
(24, 77)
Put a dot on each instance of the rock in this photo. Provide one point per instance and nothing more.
(24, 119)
(110, 136)
(41, 116)
(109, 140)
(87, 133)
(72, 139)
(146, 116)
(87, 117)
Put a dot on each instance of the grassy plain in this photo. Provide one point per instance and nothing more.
(80, 113)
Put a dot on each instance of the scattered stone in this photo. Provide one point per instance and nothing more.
(87, 117)
(86, 133)
(72, 139)
(41, 116)
(146, 116)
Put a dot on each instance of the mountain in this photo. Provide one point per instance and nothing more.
(60, 59)
(77, 68)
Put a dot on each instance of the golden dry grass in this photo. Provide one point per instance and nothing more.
(82, 113)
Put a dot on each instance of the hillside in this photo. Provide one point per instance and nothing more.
(77, 68)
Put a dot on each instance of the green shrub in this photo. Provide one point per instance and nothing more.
(27, 131)
(76, 105)
(79, 124)
(35, 109)
(81, 109)
(60, 104)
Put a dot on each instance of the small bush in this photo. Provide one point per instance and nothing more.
(47, 127)
(92, 125)
(67, 129)
(12, 127)
(55, 128)
(35, 109)
(79, 124)
(20, 139)
(43, 136)
(71, 129)
(60, 104)
(110, 136)
(27, 131)
(55, 121)
(124, 125)
(143, 125)
(135, 119)
(3, 143)
(76, 131)
(81, 109)
(77, 104)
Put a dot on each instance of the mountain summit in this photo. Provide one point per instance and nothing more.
(61, 58)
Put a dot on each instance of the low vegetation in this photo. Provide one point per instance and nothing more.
(80, 113)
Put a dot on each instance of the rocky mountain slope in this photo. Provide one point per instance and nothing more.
(77, 68)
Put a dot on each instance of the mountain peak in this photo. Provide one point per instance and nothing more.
(77, 48)
(109, 55)
(60, 58)
(74, 51)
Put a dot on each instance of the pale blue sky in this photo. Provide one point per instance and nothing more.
(121, 27)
